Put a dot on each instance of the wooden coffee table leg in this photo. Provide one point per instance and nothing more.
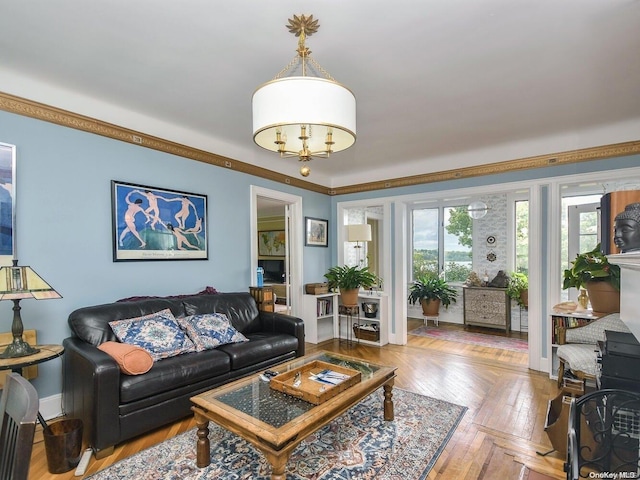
(203, 448)
(278, 464)
(388, 402)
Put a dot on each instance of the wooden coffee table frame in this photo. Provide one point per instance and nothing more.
(277, 443)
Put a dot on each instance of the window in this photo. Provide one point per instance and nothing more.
(521, 235)
(442, 242)
(579, 231)
(426, 240)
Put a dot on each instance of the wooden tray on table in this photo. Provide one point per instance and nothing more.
(316, 390)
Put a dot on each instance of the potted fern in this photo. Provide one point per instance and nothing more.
(349, 280)
(431, 291)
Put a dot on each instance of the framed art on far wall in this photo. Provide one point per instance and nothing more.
(316, 232)
(7, 202)
(152, 223)
(272, 243)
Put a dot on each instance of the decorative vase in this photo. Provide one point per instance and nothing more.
(350, 297)
(604, 297)
(583, 299)
(430, 308)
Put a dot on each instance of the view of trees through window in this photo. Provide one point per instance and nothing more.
(522, 237)
(442, 242)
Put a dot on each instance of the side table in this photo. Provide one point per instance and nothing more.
(46, 353)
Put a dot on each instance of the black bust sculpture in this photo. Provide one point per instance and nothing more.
(626, 231)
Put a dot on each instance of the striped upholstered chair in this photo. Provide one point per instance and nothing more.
(578, 353)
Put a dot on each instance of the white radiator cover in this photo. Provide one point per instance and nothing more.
(629, 289)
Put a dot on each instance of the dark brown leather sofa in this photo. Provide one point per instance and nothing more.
(115, 407)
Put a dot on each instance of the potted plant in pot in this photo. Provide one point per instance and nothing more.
(592, 270)
(518, 288)
(349, 280)
(431, 291)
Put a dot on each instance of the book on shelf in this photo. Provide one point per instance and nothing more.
(563, 322)
(324, 307)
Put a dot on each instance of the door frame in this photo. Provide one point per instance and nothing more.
(294, 244)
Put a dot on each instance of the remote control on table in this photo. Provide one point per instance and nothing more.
(84, 462)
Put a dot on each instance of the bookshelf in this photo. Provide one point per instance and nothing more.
(318, 313)
(559, 323)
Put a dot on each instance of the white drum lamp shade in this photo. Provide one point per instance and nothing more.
(287, 103)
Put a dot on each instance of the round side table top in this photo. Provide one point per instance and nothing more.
(47, 352)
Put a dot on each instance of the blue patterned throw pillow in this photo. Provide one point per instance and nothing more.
(158, 333)
(210, 330)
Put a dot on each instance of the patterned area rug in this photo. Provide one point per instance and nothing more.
(357, 445)
(480, 339)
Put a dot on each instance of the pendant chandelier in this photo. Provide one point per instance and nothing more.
(304, 115)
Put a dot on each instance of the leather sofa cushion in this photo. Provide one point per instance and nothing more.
(173, 373)
(240, 308)
(260, 347)
(131, 359)
(91, 324)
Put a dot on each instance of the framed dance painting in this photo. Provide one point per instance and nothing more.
(151, 223)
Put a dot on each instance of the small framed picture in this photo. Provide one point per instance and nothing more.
(316, 232)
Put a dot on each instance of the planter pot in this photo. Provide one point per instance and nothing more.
(350, 297)
(604, 298)
(430, 308)
(524, 297)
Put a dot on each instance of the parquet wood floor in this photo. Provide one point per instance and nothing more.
(497, 438)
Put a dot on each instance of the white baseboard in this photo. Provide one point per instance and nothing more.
(51, 407)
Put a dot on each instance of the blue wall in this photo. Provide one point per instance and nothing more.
(64, 225)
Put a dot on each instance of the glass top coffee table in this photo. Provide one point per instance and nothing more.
(275, 422)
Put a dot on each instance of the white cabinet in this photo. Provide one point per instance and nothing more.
(370, 324)
(319, 313)
(322, 320)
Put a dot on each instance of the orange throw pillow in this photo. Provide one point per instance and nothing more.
(131, 359)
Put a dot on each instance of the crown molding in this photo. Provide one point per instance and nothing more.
(29, 108)
(529, 163)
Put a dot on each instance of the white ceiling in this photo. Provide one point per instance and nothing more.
(439, 84)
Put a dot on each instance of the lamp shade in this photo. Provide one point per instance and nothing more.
(18, 282)
(323, 105)
(359, 233)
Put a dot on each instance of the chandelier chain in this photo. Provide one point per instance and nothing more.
(322, 70)
(289, 66)
(296, 60)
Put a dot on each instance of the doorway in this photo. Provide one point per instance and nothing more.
(276, 232)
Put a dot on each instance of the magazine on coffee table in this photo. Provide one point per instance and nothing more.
(329, 376)
(316, 381)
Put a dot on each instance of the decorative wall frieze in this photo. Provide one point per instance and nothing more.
(29, 108)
